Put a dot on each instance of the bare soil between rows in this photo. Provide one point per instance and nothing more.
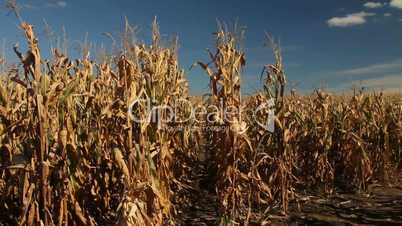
(379, 205)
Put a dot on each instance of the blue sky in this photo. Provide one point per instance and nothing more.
(330, 43)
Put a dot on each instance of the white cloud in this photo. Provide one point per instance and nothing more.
(349, 20)
(373, 5)
(62, 4)
(396, 4)
(29, 6)
(56, 4)
(374, 68)
(387, 14)
(386, 83)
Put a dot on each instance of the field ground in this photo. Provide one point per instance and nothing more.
(379, 205)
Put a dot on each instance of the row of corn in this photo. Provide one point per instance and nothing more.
(86, 143)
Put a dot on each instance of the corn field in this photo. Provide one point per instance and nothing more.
(70, 153)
